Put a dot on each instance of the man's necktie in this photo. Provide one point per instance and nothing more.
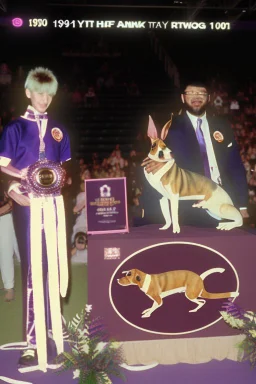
(202, 145)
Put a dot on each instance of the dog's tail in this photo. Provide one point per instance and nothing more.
(207, 295)
(210, 271)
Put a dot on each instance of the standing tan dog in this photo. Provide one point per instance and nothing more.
(168, 283)
(175, 184)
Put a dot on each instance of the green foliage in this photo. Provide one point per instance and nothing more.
(92, 356)
(232, 321)
(246, 323)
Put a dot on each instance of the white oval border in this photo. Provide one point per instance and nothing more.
(157, 245)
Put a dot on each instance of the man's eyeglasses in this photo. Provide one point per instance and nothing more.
(190, 93)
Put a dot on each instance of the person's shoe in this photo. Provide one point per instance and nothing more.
(9, 295)
(28, 357)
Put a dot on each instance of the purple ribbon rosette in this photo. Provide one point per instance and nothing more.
(44, 178)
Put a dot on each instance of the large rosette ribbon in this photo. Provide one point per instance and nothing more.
(43, 183)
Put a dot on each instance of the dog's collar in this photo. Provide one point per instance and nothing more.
(146, 283)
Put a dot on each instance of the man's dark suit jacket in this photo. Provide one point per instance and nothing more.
(181, 139)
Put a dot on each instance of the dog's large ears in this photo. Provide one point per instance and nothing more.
(166, 128)
(152, 132)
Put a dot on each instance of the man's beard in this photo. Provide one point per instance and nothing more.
(196, 111)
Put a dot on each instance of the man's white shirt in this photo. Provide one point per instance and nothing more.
(215, 174)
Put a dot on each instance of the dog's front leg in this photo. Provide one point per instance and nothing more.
(157, 303)
(165, 207)
(175, 212)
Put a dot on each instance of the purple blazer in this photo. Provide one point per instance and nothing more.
(20, 143)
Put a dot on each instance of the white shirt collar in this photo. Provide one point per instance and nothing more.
(194, 118)
(35, 111)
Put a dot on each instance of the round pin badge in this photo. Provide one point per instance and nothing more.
(218, 136)
(57, 134)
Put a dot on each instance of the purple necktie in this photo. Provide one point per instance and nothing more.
(201, 142)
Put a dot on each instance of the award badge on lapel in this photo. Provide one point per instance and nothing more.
(57, 134)
(218, 136)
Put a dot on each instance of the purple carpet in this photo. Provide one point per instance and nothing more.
(211, 373)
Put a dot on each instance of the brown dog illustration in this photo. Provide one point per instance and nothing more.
(164, 284)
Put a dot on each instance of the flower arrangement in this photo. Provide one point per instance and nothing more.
(92, 356)
(245, 321)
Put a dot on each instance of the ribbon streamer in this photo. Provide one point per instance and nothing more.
(51, 210)
(62, 245)
(37, 279)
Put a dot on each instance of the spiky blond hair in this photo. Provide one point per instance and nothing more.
(41, 80)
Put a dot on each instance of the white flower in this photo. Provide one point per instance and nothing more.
(108, 381)
(115, 345)
(253, 333)
(99, 348)
(101, 345)
(88, 308)
(250, 315)
(83, 332)
(85, 348)
(76, 374)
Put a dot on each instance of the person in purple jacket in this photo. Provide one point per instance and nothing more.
(39, 221)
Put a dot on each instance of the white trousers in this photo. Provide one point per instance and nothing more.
(8, 247)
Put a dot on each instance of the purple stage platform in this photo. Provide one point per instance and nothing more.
(153, 251)
(210, 373)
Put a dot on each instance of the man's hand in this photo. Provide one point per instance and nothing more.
(245, 216)
(5, 208)
(23, 173)
(244, 213)
(151, 165)
(19, 198)
(78, 208)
